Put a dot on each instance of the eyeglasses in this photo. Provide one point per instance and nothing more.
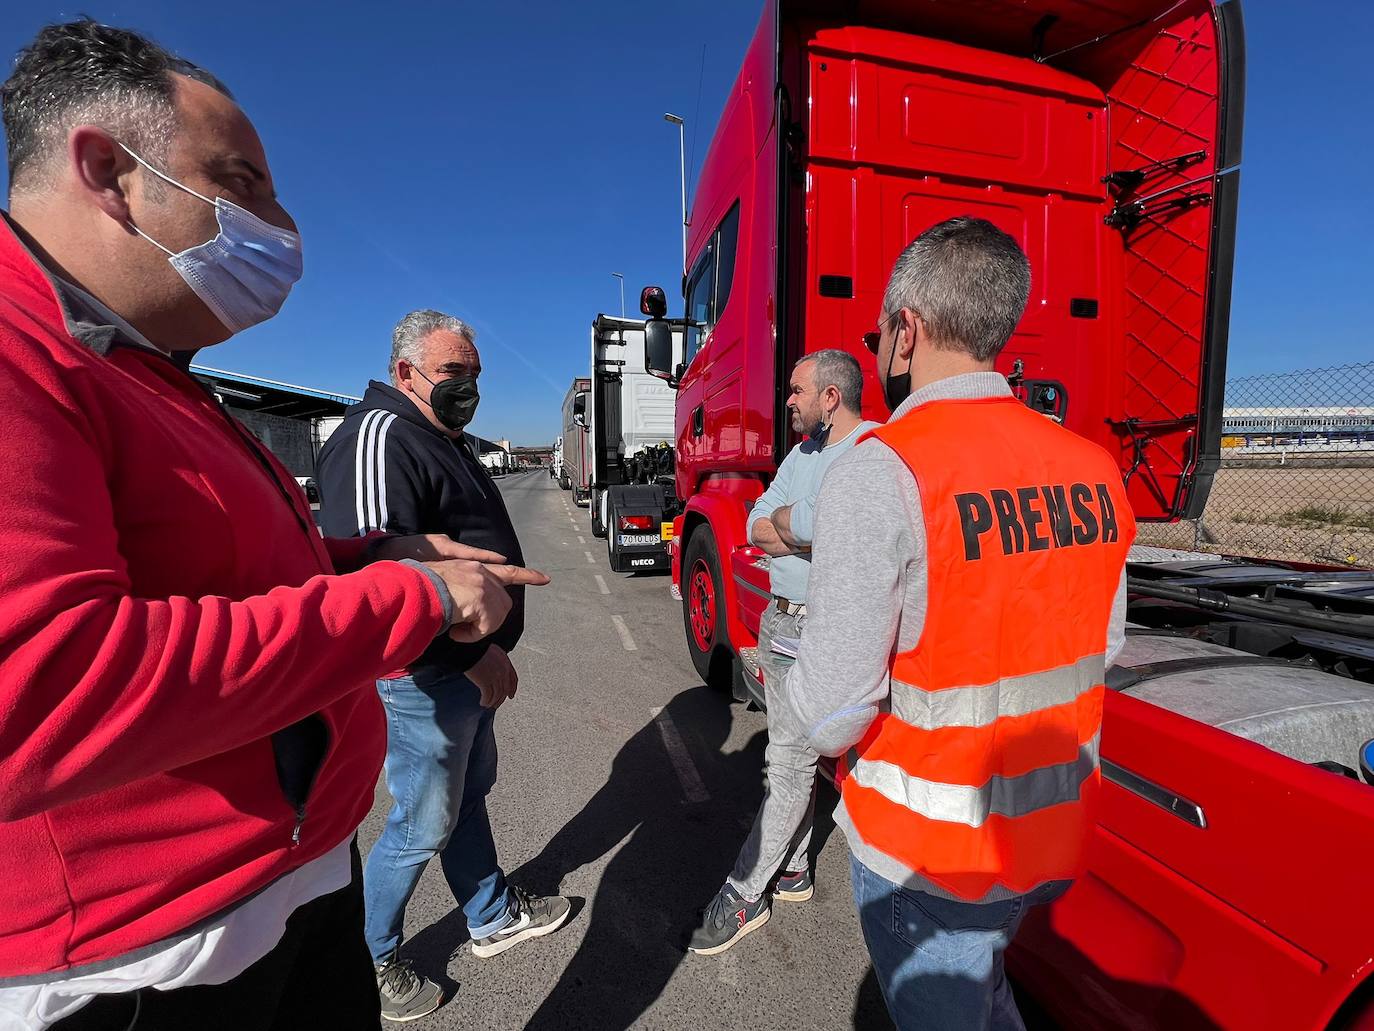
(873, 337)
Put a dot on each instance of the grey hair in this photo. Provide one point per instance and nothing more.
(838, 369)
(969, 282)
(407, 339)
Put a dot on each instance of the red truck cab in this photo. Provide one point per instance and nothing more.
(1105, 138)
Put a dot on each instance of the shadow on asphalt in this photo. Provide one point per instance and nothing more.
(676, 854)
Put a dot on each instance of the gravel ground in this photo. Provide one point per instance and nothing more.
(1245, 501)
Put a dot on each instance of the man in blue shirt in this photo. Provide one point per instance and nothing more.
(824, 400)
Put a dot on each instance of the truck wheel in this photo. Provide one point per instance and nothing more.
(563, 483)
(703, 611)
(598, 508)
(612, 553)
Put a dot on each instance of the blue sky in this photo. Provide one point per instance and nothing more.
(500, 161)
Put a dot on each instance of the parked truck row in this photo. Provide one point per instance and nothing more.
(622, 419)
(1227, 883)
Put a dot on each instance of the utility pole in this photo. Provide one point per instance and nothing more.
(682, 164)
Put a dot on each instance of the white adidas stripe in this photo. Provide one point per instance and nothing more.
(359, 465)
(369, 474)
(381, 469)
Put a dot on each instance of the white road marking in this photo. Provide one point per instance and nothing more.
(590, 560)
(687, 775)
(581, 540)
(624, 632)
(602, 584)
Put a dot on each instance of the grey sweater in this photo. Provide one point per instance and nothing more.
(798, 480)
(867, 595)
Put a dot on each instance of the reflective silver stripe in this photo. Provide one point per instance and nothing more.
(899, 872)
(1012, 696)
(1000, 796)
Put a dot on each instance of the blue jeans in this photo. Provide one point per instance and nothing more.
(939, 962)
(440, 766)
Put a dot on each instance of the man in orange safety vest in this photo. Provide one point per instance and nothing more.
(967, 593)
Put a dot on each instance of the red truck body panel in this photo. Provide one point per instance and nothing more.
(1257, 920)
(1112, 160)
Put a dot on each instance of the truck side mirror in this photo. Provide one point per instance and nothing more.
(580, 409)
(653, 302)
(658, 350)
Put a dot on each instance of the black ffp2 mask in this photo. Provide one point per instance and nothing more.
(454, 400)
(896, 389)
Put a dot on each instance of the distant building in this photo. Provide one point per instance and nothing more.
(1330, 422)
(293, 421)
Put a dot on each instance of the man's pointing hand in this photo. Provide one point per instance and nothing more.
(481, 600)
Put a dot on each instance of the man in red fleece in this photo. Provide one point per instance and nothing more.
(189, 733)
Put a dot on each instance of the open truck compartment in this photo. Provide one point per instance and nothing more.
(1105, 139)
(1295, 709)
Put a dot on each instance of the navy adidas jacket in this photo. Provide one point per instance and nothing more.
(387, 468)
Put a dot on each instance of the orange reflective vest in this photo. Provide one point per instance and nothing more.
(984, 771)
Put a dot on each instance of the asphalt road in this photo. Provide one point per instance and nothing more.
(629, 785)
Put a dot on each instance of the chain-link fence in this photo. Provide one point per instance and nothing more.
(1297, 471)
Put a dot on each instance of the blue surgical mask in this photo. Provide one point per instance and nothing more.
(244, 274)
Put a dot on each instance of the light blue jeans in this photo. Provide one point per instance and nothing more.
(781, 837)
(938, 961)
(440, 766)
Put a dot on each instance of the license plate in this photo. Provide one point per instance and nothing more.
(666, 531)
(637, 540)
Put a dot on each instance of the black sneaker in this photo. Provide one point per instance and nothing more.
(795, 886)
(726, 920)
(405, 994)
(532, 917)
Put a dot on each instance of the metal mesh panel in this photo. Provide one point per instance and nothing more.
(291, 440)
(1297, 471)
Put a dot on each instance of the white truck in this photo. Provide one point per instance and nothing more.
(497, 461)
(629, 419)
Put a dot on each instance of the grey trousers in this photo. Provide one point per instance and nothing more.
(781, 834)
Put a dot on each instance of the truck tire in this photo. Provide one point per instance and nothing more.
(598, 508)
(703, 611)
(612, 552)
(564, 483)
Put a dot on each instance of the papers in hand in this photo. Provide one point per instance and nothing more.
(785, 646)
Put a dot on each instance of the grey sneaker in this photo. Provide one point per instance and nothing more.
(795, 886)
(532, 916)
(726, 920)
(405, 994)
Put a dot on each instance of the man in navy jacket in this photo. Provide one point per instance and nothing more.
(401, 459)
